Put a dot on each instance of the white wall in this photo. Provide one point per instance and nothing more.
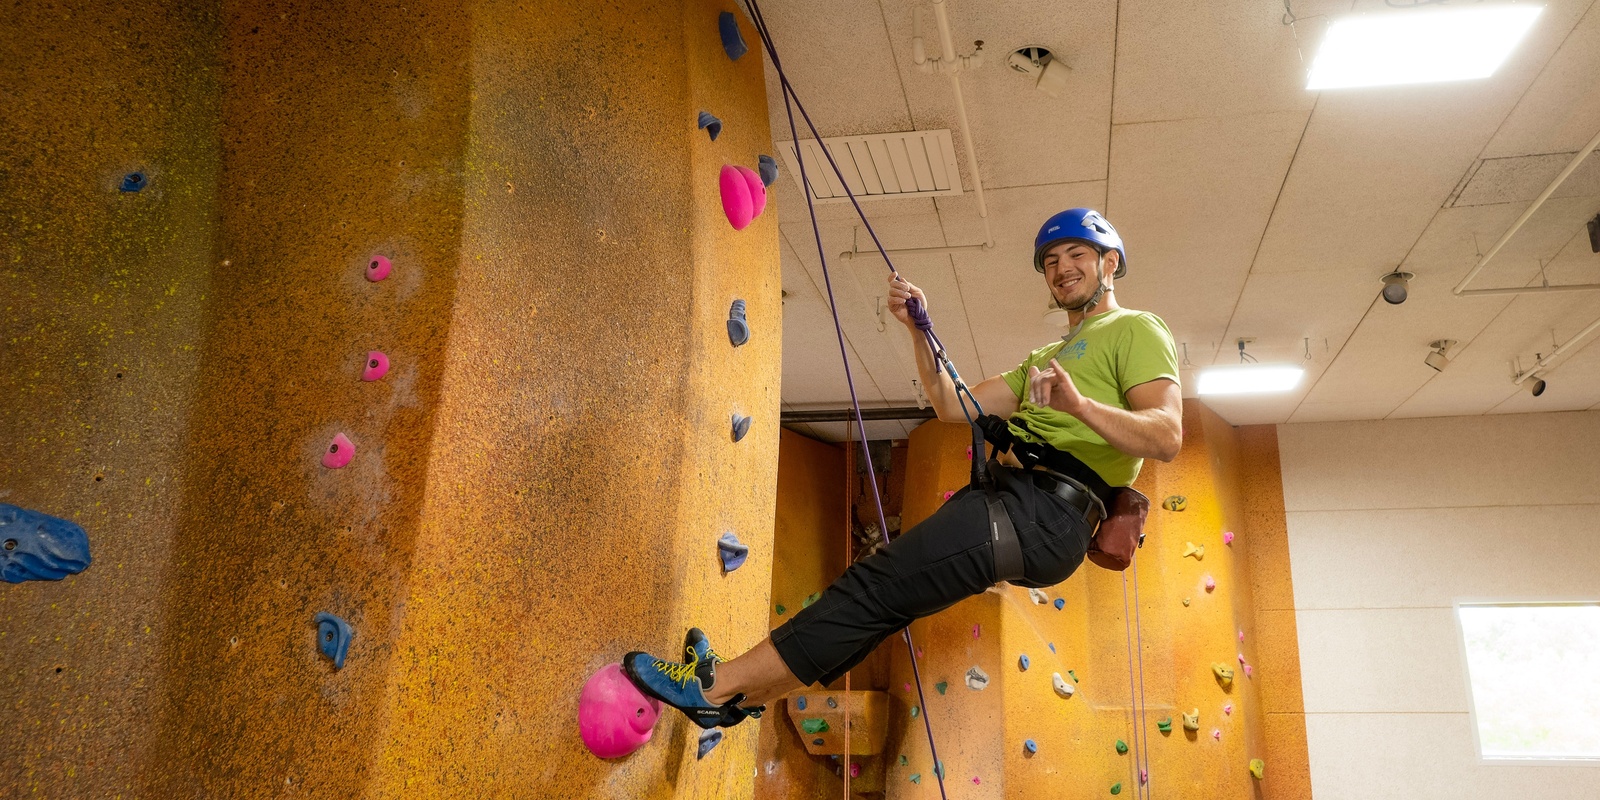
(1389, 522)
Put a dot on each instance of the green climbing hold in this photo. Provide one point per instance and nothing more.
(941, 686)
(1165, 726)
(1116, 788)
(916, 777)
(1074, 675)
(810, 598)
(904, 761)
(1122, 747)
(780, 610)
(915, 711)
(815, 725)
(938, 769)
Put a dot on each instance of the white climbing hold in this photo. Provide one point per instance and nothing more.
(1062, 687)
(1038, 597)
(977, 679)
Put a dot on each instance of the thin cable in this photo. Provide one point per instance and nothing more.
(1138, 634)
(789, 103)
(1133, 696)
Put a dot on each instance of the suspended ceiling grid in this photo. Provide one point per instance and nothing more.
(1251, 207)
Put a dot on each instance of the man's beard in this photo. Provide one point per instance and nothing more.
(1083, 291)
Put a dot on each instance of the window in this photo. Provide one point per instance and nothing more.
(1534, 674)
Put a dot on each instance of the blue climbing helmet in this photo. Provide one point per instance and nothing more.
(1080, 224)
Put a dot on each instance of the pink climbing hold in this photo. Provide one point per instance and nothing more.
(908, 687)
(1241, 636)
(969, 452)
(975, 781)
(737, 203)
(758, 191)
(339, 452)
(975, 630)
(1241, 658)
(1216, 733)
(614, 717)
(949, 494)
(378, 268)
(1227, 537)
(377, 366)
(855, 770)
(1227, 709)
(1248, 671)
(1211, 583)
(1144, 777)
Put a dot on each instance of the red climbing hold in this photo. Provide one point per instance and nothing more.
(378, 268)
(377, 366)
(758, 191)
(339, 452)
(737, 203)
(614, 717)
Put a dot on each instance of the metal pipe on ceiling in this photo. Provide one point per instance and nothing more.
(1461, 288)
(1544, 361)
(848, 415)
(948, 63)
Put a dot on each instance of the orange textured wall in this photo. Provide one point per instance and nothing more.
(538, 483)
(808, 553)
(102, 297)
(1229, 479)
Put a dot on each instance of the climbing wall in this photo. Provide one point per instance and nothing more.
(102, 298)
(1038, 698)
(422, 323)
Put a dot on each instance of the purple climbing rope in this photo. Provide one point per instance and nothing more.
(919, 317)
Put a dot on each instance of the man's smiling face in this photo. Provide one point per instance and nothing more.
(1070, 270)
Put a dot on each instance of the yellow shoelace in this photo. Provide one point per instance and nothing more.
(680, 674)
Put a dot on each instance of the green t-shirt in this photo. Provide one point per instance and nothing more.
(1114, 351)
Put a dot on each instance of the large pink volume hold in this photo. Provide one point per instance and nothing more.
(736, 200)
(758, 191)
(614, 717)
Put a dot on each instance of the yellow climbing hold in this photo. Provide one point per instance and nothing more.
(1257, 767)
(1175, 502)
(1223, 673)
(1196, 550)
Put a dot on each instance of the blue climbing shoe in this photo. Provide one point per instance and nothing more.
(697, 647)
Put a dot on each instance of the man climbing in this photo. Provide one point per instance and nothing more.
(1106, 395)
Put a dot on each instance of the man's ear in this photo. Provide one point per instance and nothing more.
(1113, 260)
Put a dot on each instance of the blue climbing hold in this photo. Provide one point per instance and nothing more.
(39, 547)
(708, 740)
(1022, 662)
(732, 551)
(1052, 647)
(741, 426)
(133, 182)
(738, 328)
(768, 169)
(711, 124)
(333, 637)
(800, 702)
(732, 40)
(1060, 603)
(819, 742)
(1031, 746)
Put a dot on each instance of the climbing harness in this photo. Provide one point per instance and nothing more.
(1007, 549)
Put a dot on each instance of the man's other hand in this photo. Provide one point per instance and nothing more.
(1053, 388)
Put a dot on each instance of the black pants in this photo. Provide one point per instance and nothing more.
(945, 559)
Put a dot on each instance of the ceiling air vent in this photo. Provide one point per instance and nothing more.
(910, 164)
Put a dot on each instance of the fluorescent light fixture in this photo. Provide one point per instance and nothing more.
(1425, 45)
(1249, 379)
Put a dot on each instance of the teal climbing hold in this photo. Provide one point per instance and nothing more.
(810, 598)
(780, 609)
(941, 686)
(904, 761)
(916, 777)
(915, 711)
